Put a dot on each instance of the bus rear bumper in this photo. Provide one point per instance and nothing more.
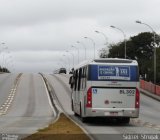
(112, 112)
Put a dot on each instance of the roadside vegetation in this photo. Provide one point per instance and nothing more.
(140, 48)
(4, 70)
(62, 129)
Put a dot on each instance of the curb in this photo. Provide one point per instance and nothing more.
(68, 116)
(54, 104)
(154, 96)
(61, 110)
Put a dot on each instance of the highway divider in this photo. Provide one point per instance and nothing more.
(52, 96)
(16, 82)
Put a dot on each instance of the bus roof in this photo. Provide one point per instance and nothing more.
(107, 60)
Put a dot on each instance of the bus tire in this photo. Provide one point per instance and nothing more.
(72, 106)
(83, 119)
(75, 114)
(125, 120)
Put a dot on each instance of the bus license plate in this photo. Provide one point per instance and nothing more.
(111, 113)
(114, 113)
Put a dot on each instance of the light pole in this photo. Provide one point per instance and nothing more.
(63, 62)
(1, 52)
(9, 60)
(77, 51)
(93, 43)
(106, 39)
(72, 56)
(68, 62)
(83, 46)
(3, 59)
(124, 35)
(154, 41)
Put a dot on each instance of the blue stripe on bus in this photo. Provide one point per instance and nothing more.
(113, 73)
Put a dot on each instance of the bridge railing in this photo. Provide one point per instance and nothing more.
(149, 86)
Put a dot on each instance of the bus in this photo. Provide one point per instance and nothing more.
(106, 87)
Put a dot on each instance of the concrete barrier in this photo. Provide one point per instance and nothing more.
(158, 90)
(150, 89)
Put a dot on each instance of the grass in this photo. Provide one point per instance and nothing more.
(62, 129)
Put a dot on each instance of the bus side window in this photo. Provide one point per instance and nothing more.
(85, 76)
(79, 79)
(82, 80)
(71, 81)
(76, 77)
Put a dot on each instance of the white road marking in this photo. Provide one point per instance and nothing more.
(7, 104)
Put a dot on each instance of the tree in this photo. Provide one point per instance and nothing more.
(141, 48)
(4, 70)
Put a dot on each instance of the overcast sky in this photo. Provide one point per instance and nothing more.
(37, 33)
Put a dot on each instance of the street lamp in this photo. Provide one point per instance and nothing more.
(77, 50)
(3, 59)
(68, 62)
(124, 35)
(63, 62)
(104, 37)
(72, 56)
(9, 60)
(93, 44)
(83, 46)
(154, 41)
(1, 51)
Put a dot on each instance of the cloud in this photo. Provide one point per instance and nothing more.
(29, 12)
(38, 32)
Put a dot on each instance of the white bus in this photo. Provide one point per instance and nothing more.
(107, 87)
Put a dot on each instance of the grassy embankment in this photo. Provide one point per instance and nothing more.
(62, 129)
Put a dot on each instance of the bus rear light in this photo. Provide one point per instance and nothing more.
(137, 100)
(89, 98)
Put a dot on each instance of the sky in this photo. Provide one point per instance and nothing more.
(39, 35)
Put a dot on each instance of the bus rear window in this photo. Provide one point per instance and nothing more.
(113, 72)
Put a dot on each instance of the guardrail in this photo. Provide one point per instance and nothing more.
(150, 87)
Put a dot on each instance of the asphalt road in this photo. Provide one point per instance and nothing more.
(6, 84)
(147, 123)
(30, 109)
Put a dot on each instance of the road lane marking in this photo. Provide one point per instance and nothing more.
(6, 105)
(141, 123)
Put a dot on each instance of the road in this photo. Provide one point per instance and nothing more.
(6, 83)
(147, 123)
(30, 109)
